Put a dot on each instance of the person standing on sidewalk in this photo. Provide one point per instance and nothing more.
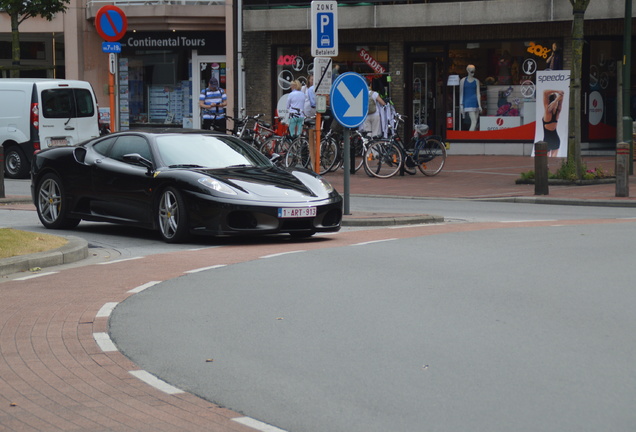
(295, 109)
(213, 101)
(372, 123)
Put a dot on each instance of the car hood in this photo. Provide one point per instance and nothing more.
(270, 183)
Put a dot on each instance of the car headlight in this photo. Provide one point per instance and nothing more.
(328, 187)
(217, 186)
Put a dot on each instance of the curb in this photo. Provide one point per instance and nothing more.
(382, 219)
(75, 250)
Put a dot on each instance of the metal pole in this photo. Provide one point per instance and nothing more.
(347, 175)
(627, 86)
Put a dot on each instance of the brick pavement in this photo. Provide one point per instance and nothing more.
(483, 177)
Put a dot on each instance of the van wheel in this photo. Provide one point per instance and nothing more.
(16, 165)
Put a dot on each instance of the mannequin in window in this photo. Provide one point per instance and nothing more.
(469, 97)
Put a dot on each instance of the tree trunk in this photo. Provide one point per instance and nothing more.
(574, 138)
(15, 45)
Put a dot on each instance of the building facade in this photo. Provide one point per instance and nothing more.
(416, 53)
(170, 51)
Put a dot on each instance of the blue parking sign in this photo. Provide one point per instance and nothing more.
(324, 28)
(350, 99)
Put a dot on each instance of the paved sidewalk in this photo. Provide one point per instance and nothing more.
(484, 177)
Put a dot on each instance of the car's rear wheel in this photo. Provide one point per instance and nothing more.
(51, 203)
(172, 216)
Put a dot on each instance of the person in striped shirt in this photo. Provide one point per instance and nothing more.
(213, 101)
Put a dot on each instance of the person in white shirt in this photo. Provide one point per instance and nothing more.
(372, 123)
(295, 107)
(310, 98)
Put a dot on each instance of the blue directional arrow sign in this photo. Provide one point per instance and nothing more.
(350, 99)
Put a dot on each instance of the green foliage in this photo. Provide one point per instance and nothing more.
(527, 175)
(567, 171)
(23, 10)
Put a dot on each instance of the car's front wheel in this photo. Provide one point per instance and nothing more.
(51, 204)
(172, 216)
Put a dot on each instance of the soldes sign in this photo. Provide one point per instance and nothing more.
(373, 63)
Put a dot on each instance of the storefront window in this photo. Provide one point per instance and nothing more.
(154, 88)
(297, 63)
(506, 74)
(602, 104)
(155, 76)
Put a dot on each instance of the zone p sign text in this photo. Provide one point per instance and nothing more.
(324, 28)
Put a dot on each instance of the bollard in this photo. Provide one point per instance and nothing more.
(541, 168)
(622, 169)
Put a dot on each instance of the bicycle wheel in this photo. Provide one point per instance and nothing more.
(383, 159)
(431, 156)
(298, 154)
(357, 151)
(328, 155)
(275, 149)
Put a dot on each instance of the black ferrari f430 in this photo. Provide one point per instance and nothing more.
(180, 183)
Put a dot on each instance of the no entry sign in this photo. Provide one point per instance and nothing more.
(111, 23)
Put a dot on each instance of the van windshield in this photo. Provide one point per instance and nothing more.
(67, 103)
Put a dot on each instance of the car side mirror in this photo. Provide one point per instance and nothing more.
(138, 159)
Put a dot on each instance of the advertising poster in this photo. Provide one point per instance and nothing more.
(553, 103)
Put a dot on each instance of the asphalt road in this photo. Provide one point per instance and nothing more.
(523, 328)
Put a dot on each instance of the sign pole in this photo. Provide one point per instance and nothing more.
(111, 24)
(317, 146)
(112, 63)
(347, 170)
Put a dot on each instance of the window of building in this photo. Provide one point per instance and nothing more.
(506, 72)
(154, 88)
(296, 63)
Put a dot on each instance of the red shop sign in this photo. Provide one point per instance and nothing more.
(373, 63)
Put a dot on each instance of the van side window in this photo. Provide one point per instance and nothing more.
(129, 144)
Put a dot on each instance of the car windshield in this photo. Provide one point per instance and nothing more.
(207, 151)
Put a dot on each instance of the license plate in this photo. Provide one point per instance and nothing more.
(299, 212)
(58, 142)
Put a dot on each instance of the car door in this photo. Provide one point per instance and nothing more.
(122, 189)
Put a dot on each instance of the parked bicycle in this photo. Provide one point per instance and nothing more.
(249, 128)
(299, 152)
(386, 157)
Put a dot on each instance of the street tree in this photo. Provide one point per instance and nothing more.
(21, 10)
(574, 131)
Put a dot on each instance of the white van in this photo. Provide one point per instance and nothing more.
(39, 113)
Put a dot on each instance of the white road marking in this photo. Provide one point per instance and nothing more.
(106, 310)
(374, 241)
(282, 253)
(35, 276)
(529, 221)
(140, 288)
(155, 382)
(120, 260)
(104, 342)
(255, 424)
(206, 268)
